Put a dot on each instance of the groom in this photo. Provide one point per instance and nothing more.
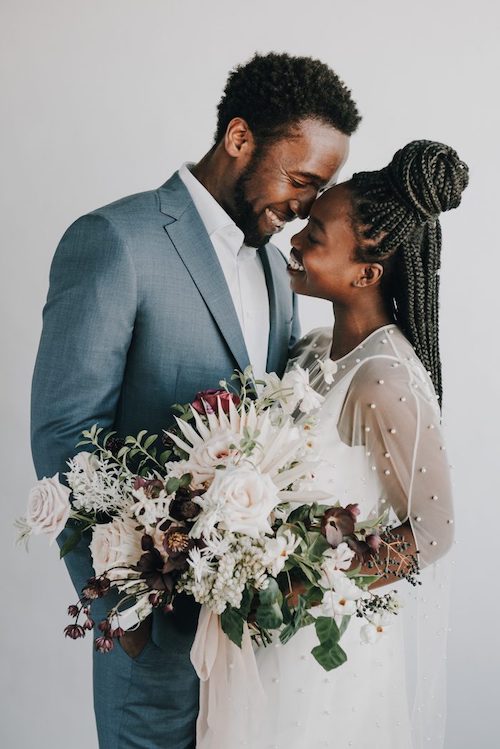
(162, 294)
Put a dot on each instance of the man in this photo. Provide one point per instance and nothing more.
(162, 294)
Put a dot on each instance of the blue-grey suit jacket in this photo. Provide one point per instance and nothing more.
(139, 317)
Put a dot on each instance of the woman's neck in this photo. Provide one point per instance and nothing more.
(353, 325)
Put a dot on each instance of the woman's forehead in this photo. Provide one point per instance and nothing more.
(334, 203)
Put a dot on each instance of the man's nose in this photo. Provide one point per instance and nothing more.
(301, 208)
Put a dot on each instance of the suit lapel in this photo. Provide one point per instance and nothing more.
(191, 241)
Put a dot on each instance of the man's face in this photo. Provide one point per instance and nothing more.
(282, 180)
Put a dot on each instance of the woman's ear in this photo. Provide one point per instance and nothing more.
(369, 275)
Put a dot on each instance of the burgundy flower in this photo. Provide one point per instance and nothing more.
(152, 487)
(96, 587)
(73, 610)
(118, 632)
(176, 542)
(182, 506)
(206, 401)
(153, 568)
(103, 644)
(88, 623)
(104, 626)
(338, 522)
(75, 631)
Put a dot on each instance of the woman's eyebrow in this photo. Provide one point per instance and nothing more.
(317, 222)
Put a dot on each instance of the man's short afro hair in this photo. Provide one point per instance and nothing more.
(274, 92)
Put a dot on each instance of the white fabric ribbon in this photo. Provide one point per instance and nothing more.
(231, 693)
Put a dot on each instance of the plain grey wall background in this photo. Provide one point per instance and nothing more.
(104, 98)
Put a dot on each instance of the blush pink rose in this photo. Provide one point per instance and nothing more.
(48, 507)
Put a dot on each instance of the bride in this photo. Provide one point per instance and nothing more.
(372, 247)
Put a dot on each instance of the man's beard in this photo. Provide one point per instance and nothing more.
(244, 215)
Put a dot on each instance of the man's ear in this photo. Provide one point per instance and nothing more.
(369, 275)
(238, 140)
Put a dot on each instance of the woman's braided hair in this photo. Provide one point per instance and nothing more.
(396, 213)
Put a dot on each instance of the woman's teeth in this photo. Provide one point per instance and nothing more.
(278, 223)
(294, 265)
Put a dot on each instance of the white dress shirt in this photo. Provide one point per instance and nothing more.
(242, 269)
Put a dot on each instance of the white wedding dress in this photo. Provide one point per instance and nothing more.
(381, 446)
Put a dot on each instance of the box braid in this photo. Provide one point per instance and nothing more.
(396, 213)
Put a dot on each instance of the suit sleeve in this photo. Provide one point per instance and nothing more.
(88, 322)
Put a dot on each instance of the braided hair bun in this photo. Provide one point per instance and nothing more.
(395, 212)
(428, 178)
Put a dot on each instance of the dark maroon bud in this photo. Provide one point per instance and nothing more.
(73, 610)
(88, 623)
(118, 632)
(103, 644)
(183, 509)
(354, 510)
(104, 625)
(152, 487)
(373, 541)
(155, 599)
(75, 631)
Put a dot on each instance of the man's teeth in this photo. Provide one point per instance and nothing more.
(294, 265)
(277, 222)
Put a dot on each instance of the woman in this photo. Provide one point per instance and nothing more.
(372, 247)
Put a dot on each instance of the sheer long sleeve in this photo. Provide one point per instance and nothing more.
(391, 409)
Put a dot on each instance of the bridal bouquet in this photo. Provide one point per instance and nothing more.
(228, 513)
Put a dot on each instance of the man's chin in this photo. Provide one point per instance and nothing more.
(253, 240)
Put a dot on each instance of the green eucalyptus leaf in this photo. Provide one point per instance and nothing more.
(150, 440)
(327, 630)
(232, 625)
(185, 480)
(71, 542)
(172, 485)
(344, 624)
(246, 603)
(364, 581)
(318, 546)
(329, 657)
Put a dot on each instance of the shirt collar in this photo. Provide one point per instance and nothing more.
(213, 215)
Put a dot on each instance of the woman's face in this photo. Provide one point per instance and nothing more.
(325, 250)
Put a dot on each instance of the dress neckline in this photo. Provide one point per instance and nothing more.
(360, 345)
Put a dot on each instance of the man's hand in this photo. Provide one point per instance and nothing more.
(135, 641)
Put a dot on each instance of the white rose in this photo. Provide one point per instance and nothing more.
(246, 499)
(115, 543)
(87, 463)
(48, 507)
